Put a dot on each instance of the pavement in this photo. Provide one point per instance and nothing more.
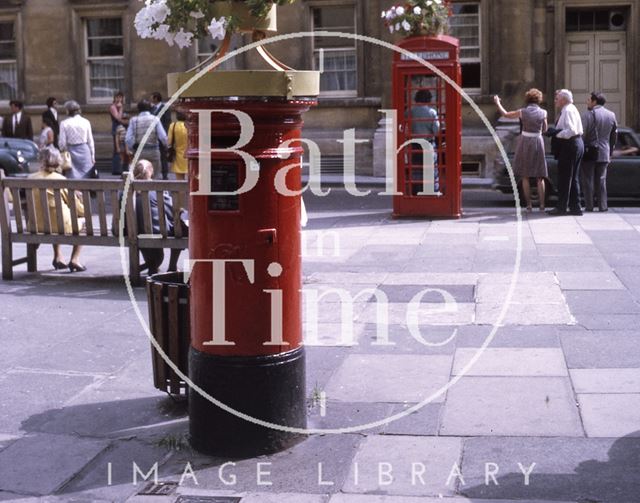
(544, 407)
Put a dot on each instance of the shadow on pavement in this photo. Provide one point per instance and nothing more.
(593, 481)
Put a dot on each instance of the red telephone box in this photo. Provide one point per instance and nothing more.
(246, 260)
(429, 129)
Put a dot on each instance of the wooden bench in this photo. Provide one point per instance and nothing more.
(98, 196)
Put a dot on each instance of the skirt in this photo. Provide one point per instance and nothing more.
(81, 162)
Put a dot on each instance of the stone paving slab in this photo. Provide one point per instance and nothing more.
(610, 415)
(288, 471)
(340, 415)
(424, 422)
(601, 349)
(431, 278)
(432, 457)
(37, 392)
(606, 380)
(34, 464)
(406, 293)
(568, 469)
(524, 314)
(389, 378)
(119, 462)
(589, 281)
(511, 406)
(519, 362)
(438, 313)
(573, 251)
(607, 321)
(526, 336)
(615, 302)
(370, 498)
(397, 339)
(570, 264)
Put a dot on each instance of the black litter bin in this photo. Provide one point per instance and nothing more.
(168, 297)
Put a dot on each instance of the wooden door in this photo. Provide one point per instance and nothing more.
(596, 61)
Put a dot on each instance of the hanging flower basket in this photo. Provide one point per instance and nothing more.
(180, 22)
(418, 17)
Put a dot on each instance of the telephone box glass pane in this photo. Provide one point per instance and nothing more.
(224, 178)
(424, 126)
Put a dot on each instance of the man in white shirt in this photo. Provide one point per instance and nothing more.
(568, 133)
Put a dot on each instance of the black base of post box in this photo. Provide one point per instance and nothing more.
(269, 388)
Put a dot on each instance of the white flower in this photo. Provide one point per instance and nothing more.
(154, 13)
(383, 14)
(390, 14)
(161, 32)
(217, 28)
(406, 25)
(391, 29)
(196, 14)
(437, 1)
(159, 11)
(417, 10)
(397, 26)
(400, 10)
(183, 38)
(143, 23)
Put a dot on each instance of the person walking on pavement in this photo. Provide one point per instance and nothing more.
(568, 135)
(50, 117)
(138, 127)
(76, 137)
(165, 120)
(116, 111)
(600, 138)
(17, 124)
(178, 142)
(530, 161)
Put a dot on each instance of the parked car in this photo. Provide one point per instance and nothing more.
(18, 157)
(623, 179)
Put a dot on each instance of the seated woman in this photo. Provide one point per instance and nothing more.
(154, 257)
(50, 169)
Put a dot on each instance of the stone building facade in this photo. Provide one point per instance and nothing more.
(85, 49)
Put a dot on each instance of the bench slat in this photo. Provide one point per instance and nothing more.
(57, 196)
(31, 211)
(88, 216)
(74, 214)
(178, 230)
(17, 209)
(44, 205)
(146, 213)
(115, 205)
(162, 219)
(102, 215)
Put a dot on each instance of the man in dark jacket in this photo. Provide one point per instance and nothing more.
(601, 133)
(165, 120)
(50, 116)
(18, 123)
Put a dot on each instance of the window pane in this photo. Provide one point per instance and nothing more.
(339, 70)
(106, 77)
(336, 19)
(471, 75)
(465, 26)
(8, 81)
(7, 41)
(111, 27)
(105, 47)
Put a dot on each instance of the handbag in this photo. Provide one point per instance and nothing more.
(591, 151)
(171, 149)
(66, 161)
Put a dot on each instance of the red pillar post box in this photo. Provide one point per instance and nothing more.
(246, 330)
(429, 129)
